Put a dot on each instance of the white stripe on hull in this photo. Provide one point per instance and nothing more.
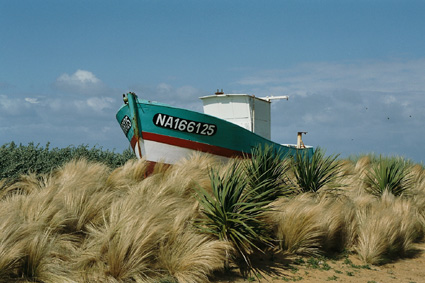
(139, 148)
(170, 154)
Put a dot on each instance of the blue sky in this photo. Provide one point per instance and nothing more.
(354, 70)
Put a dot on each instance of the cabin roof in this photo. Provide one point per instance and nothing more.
(234, 94)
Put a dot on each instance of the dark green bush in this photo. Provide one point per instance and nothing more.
(233, 212)
(389, 174)
(266, 173)
(16, 160)
(313, 173)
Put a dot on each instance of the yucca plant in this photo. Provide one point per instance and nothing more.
(232, 212)
(266, 172)
(313, 173)
(388, 174)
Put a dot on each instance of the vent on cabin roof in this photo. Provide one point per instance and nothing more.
(219, 92)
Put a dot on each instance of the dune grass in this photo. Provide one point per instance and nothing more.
(86, 221)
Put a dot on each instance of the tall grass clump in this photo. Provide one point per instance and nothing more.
(87, 221)
(84, 222)
(313, 173)
(297, 229)
(187, 255)
(389, 175)
(123, 247)
(31, 239)
(147, 234)
(310, 226)
(387, 229)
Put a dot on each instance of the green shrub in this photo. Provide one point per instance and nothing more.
(233, 212)
(389, 174)
(266, 171)
(16, 160)
(313, 173)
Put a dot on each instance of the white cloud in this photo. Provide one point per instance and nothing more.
(390, 99)
(82, 82)
(308, 78)
(5, 102)
(79, 77)
(55, 104)
(11, 105)
(183, 96)
(164, 88)
(100, 103)
(349, 108)
(32, 100)
(94, 104)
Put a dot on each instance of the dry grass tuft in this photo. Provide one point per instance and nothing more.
(30, 252)
(147, 230)
(387, 229)
(363, 164)
(188, 256)
(123, 248)
(297, 228)
(87, 223)
(80, 175)
(311, 225)
(131, 173)
(338, 221)
(27, 184)
(11, 246)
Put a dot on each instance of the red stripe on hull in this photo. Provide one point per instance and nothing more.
(133, 142)
(212, 149)
(217, 150)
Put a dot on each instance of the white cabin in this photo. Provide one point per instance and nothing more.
(247, 111)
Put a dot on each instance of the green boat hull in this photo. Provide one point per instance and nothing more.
(162, 133)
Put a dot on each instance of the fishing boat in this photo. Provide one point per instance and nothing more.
(231, 126)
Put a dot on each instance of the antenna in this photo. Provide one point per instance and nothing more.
(270, 98)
